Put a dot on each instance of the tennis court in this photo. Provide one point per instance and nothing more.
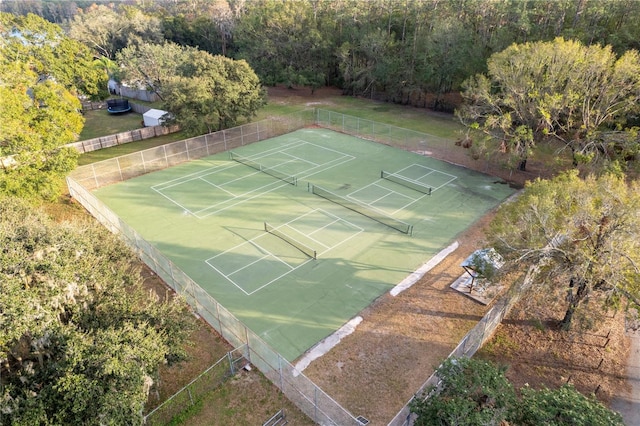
(297, 234)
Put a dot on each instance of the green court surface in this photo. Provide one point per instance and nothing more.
(209, 216)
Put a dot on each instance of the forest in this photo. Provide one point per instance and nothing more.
(412, 52)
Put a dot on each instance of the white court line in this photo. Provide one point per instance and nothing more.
(190, 176)
(300, 159)
(241, 198)
(389, 192)
(233, 180)
(444, 184)
(218, 187)
(176, 203)
(211, 170)
(301, 233)
(270, 255)
(429, 168)
(415, 276)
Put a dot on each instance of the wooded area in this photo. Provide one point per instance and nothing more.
(405, 51)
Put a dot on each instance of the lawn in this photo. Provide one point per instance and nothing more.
(99, 122)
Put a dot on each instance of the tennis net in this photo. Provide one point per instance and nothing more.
(292, 180)
(293, 242)
(405, 181)
(364, 210)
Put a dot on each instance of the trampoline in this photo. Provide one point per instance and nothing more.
(118, 106)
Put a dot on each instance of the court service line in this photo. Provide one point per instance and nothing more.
(300, 159)
(218, 187)
(215, 169)
(241, 199)
(176, 203)
(306, 235)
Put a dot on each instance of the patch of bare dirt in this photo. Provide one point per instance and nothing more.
(247, 399)
(540, 355)
(376, 370)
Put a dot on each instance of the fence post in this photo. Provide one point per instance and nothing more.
(230, 358)
(315, 403)
(280, 372)
(246, 338)
(224, 138)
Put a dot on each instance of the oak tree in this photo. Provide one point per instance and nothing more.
(474, 392)
(203, 92)
(81, 339)
(583, 234)
(42, 72)
(561, 90)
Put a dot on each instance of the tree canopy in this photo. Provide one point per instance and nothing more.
(400, 51)
(203, 92)
(474, 392)
(42, 72)
(583, 234)
(107, 31)
(81, 339)
(563, 90)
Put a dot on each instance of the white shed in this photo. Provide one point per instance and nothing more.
(153, 117)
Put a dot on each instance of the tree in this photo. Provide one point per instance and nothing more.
(583, 234)
(473, 392)
(283, 43)
(41, 74)
(470, 393)
(152, 65)
(203, 92)
(561, 90)
(51, 54)
(81, 339)
(562, 406)
(107, 30)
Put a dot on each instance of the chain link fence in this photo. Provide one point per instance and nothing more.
(472, 342)
(209, 380)
(307, 396)
(129, 166)
(398, 137)
(299, 389)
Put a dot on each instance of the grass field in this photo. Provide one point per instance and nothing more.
(208, 217)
